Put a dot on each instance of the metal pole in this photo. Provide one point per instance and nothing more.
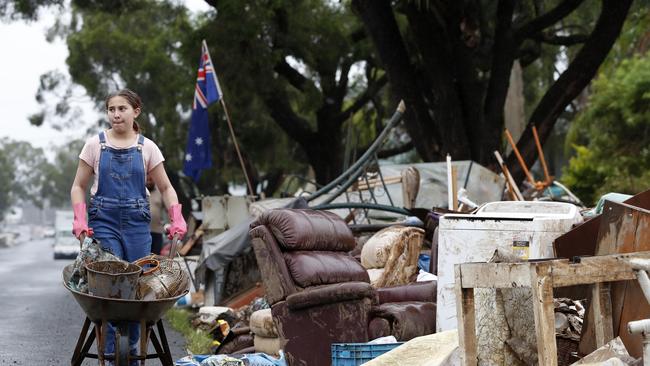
(397, 116)
(234, 140)
(232, 131)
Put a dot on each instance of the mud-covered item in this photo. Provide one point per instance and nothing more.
(376, 250)
(113, 279)
(308, 333)
(169, 279)
(396, 249)
(268, 345)
(311, 268)
(440, 349)
(416, 291)
(410, 186)
(91, 251)
(407, 319)
(262, 324)
(310, 318)
(236, 343)
(298, 229)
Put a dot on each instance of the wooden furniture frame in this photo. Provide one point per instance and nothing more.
(541, 276)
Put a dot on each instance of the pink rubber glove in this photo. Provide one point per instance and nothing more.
(178, 225)
(80, 223)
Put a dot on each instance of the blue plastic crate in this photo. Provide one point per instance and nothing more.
(354, 354)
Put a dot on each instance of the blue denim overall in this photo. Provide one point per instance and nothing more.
(119, 213)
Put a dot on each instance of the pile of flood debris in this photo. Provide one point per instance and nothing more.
(314, 280)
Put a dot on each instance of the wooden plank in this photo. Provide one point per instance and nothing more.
(495, 275)
(602, 306)
(466, 316)
(589, 270)
(542, 290)
(594, 269)
(624, 229)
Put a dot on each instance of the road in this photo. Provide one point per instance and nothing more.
(39, 319)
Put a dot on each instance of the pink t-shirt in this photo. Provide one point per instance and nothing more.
(90, 154)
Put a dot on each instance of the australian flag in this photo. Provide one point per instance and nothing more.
(207, 91)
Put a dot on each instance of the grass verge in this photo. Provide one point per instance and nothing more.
(198, 341)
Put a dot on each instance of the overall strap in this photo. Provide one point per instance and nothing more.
(102, 140)
(140, 142)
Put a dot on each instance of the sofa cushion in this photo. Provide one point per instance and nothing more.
(418, 291)
(321, 268)
(297, 229)
(330, 294)
(408, 319)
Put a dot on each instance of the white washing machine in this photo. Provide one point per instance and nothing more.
(526, 228)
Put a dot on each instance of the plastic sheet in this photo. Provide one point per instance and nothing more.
(251, 359)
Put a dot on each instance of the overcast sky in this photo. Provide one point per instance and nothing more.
(26, 55)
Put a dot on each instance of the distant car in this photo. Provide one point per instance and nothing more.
(66, 246)
(49, 232)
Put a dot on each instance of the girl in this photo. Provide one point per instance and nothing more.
(120, 159)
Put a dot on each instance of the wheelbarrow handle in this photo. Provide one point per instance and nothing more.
(175, 242)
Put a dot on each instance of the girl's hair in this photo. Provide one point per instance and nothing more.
(132, 98)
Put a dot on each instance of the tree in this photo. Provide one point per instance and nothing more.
(6, 180)
(56, 178)
(612, 136)
(301, 54)
(285, 69)
(451, 63)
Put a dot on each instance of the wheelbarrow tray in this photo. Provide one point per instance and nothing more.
(102, 308)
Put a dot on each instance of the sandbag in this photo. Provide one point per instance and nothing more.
(261, 323)
(270, 346)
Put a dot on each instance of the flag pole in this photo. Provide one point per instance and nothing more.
(232, 131)
(234, 139)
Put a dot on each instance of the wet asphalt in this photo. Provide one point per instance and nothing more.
(39, 319)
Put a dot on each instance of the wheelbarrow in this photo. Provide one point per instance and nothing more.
(120, 312)
(100, 311)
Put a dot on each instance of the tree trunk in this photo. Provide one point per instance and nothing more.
(433, 115)
(572, 81)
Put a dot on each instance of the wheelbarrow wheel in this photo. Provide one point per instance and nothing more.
(122, 346)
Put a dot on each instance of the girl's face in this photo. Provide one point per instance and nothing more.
(121, 114)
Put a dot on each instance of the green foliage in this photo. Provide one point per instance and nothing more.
(153, 47)
(27, 163)
(24, 9)
(57, 178)
(198, 341)
(613, 134)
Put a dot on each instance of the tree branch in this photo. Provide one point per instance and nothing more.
(573, 80)
(569, 40)
(553, 16)
(296, 127)
(295, 78)
(370, 92)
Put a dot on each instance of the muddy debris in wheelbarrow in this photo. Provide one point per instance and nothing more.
(167, 279)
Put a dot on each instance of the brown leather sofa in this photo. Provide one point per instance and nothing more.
(319, 294)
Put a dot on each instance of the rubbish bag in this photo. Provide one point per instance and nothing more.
(91, 251)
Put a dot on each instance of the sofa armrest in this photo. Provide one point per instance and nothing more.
(327, 294)
(417, 291)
